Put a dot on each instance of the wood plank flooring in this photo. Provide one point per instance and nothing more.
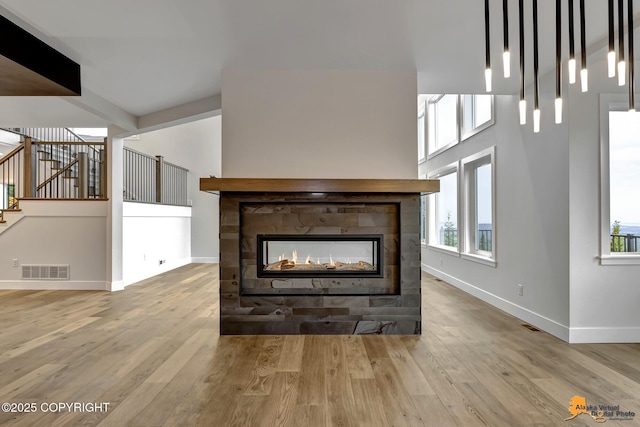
(154, 354)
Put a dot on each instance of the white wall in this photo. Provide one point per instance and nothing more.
(318, 124)
(156, 238)
(605, 300)
(548, 235)
(532, 232)
(57, 232)
(195, 146)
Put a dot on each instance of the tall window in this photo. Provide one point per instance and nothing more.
(477, 113)
(452, 118)
(423, 219)
(621, 231)
(442, 114)
(421, 134)
(443, 210)
(479, 179)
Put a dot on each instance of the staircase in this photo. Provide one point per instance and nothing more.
(51, 163)
(9, 217)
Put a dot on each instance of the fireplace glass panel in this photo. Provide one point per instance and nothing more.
(319, 255)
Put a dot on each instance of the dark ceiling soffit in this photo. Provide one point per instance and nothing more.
(33, 54)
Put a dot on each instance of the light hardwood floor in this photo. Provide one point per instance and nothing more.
(153, 353)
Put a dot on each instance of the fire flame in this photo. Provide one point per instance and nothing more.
(308, 260)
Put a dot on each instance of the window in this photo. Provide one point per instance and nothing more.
(452, 118)
(443, 210)
(421, 132)
(423, 217)
(620, 182)
(479, 212)
(442, 112)
(477, 113)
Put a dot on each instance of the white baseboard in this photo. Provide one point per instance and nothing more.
(604, 335)
(53, 285)
(548, 325)
(116, 286)
(205, 260)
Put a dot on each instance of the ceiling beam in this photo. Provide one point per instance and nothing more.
(189, 112)
(30, 67)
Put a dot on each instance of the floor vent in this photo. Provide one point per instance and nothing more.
(531, 328)
(45, 272)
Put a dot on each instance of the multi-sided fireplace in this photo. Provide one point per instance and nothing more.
(311, 247)
(319, 256)
(304, 256)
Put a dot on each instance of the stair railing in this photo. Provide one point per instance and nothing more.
(12, 180)
(151, 179)
(70, 170)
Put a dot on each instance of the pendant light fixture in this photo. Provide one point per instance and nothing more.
(487, 70)
(558, 103)
(632, 104)
(523, 102)
(615, 54)
(584, 73)
(506, 55)
(621, 63)
(611, 55)
(572, 46)
(536, 88)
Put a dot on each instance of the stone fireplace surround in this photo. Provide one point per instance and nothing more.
(329, 304)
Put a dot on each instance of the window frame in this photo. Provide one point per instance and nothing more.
(422, 143)
(609, 103)
(462, 133)
(468, 167)
(424, 218)
(431, 125)
(468, 133)
(432, 206)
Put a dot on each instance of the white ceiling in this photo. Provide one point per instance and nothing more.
(143, 61)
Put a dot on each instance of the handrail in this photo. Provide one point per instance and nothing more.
(76, 135)
(12, 153)
(176, 166)
(65, 143)
(141, 154)
(42, 134)
(57, 174)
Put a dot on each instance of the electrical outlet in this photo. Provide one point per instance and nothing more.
(16, 262)
(162, 261)
(520, 289)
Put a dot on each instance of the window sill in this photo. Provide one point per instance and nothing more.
(432, 154)
(445, 249)
(480, 259)
(620, 259)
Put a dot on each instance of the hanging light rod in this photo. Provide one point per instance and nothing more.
(572, 47)
(487, 70)
(536, 83)
(611, 56)
(621, 64)
(506, 56)
(558, 102)
(584, 73)
(523, 103)
(632, 104)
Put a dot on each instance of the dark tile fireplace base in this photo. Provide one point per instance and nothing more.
(388, 303)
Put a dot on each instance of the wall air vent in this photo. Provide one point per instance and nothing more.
(45, 272)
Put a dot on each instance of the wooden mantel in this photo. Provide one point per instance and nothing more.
(284, 185)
